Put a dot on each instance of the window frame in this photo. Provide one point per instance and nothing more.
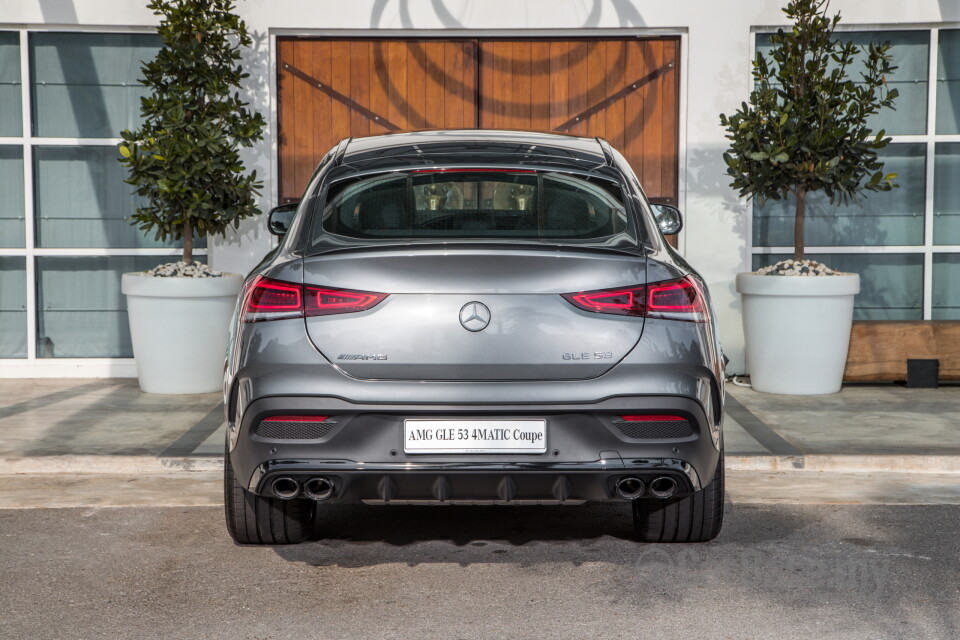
(56, 367)
(930, 139)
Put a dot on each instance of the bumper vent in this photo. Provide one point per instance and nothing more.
(293, 429)
(656, 429)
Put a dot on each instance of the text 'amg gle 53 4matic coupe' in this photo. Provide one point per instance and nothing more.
(473, 317)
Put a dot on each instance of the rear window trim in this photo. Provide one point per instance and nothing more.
(311, 245)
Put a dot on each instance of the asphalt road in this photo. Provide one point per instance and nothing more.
(776, 571)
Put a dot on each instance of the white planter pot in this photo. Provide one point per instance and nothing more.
(797, 330)
(180, 328)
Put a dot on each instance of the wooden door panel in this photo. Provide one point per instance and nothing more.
(330, 89)
(541, 85)
(369, 87)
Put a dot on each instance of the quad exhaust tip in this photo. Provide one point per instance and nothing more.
(286, 488)
(630, 487)
(319, 488)
(663, 487)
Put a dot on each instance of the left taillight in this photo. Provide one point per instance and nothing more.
(267, 299)
(679, 299)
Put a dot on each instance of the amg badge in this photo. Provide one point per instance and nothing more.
(362, 356)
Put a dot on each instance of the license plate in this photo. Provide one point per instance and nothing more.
(474, 436)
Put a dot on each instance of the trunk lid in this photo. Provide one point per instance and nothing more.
(474, 314)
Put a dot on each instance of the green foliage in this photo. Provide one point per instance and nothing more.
(804, 128)
(185, 158)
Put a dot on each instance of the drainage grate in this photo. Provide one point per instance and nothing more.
(293, 430)
(656, 429)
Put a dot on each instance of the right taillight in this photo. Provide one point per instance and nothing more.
(267, 299)
(679, 299)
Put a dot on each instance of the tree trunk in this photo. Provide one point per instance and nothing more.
(187, 242)
(798, 246)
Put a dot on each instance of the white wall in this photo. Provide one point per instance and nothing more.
(715, 73)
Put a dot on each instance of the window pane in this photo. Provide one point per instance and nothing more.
(82, 313)
(882, 218)
(82, 200)
(10, 99)
(13, 307)
(470, 204)
(946, 286)
(911, 53)
(11, 197)
(891, 285)
(85, 85)
(946, 194)
(948, 83)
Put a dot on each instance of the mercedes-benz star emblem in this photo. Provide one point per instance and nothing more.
(474, 316)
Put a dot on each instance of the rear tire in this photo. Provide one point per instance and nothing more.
(694, 518)
(253, 519)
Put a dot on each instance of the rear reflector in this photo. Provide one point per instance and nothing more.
(267, 299)
(651, 418)
(295, 419)
(680, 299)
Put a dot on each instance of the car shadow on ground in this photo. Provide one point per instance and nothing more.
(360, 535)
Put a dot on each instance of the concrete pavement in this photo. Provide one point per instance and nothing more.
(776, 571)
(102, 426)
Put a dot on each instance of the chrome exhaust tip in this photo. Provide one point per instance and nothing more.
(286, 488)
(629, 487)
(318, 488)
(663, 487)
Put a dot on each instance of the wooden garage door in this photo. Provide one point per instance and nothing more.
(624, 90)
(333, 89)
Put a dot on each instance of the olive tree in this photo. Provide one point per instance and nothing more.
(804, 128)
(185, 157)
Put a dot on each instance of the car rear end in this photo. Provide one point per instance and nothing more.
(473, 333)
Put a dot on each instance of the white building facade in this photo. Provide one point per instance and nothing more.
(68, 86)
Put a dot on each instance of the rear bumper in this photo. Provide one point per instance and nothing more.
(363, 456)
(474, 483)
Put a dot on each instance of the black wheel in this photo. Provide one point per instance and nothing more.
(253, 519)
(695, 518)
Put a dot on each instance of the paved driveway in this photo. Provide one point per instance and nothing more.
(776, 571)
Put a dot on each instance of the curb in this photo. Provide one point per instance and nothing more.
(108, 464)
(87, 464)
(847, 463)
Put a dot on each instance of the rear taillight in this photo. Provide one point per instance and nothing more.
(319, 301)
(272, 300)
(624, 302)
(267, 299)
(679, 299)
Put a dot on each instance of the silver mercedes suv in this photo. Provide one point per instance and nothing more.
(473, 317)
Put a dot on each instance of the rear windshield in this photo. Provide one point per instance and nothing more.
(476, 204)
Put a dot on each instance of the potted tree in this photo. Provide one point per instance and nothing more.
(184, 161)
(804, 131)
